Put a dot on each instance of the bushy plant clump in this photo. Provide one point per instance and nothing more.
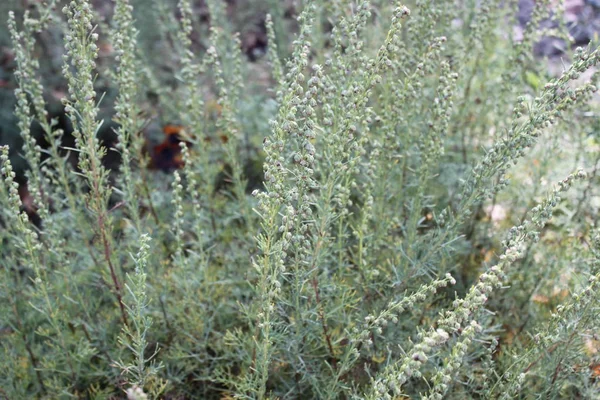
(375, 260)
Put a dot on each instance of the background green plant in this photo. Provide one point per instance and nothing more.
(413, 231)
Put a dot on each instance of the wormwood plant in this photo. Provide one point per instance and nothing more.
(375, 260)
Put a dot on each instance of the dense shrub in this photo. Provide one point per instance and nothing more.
(398, 145)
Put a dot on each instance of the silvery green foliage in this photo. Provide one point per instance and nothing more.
(398, 144)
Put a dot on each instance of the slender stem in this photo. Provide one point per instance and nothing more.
(315, 284)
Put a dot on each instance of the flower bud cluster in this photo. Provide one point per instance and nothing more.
(228, 122)
(393, 310)
(432, 143)
(30, 97)
(289, 153)
(81, 53)
(136, 393)
(190, 101)
(25, 238)
(124, 40)
(545, 109)
(9, 182)
(178, 220)
(395, 375)
(443, 378)
(79, 69)
(272, 51)
(28, 66)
